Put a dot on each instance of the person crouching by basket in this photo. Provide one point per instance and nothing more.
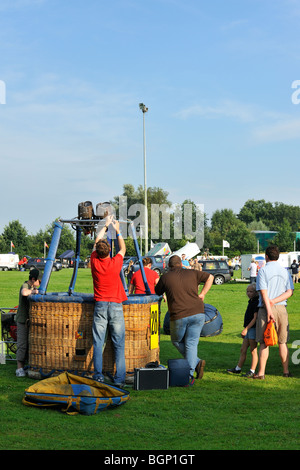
(186, 309)
(22, 319)
(109, 294)
(249, 333)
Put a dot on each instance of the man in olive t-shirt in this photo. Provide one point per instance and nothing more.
(186, 308)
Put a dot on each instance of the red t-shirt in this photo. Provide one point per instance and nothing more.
(108, 286)
(138, 283)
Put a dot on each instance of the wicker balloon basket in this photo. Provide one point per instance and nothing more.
(60, 334)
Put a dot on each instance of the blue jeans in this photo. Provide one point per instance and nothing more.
(109, 314)
(185, 334)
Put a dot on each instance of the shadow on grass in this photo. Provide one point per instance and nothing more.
(221, 355)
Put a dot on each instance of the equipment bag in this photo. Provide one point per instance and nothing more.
(270, 334)
(73, 394)
(179, 372)
(213, 325)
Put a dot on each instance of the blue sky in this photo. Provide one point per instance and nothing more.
(216, 76)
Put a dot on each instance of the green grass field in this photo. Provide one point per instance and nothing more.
(220, 411)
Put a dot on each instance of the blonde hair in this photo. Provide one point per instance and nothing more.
(253, 285)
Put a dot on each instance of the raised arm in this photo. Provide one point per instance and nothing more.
(122, 246)
(104, 229)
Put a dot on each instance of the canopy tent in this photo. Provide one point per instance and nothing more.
(67, 254)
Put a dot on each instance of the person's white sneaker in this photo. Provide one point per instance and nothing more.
(20, 372)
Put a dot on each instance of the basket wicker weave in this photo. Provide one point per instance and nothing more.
(60, 335)
(138, 351)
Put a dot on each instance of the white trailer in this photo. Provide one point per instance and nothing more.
(9, 261)
(285, 259)
(246, 261)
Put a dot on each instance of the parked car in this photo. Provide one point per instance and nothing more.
(158, 264)
(81, 264)
(40, 263)
(221, 271)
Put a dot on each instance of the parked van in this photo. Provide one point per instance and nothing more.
(9, 261)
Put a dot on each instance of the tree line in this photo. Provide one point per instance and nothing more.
(236, 229)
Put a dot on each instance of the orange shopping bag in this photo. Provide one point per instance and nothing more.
(270, 334)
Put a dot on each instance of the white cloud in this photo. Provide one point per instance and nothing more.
(263, 125)
(234, 24)
(288, 129)
(6, 5)
(70, 108)
(226, 108)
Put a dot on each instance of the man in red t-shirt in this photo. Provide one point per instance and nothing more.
(137, 284)
(109, 294)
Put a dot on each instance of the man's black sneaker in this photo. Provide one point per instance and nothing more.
(233, 371)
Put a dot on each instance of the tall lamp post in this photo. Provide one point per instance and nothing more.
(144, 110)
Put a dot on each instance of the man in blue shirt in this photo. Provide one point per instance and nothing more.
(185, 263)
(275, 286)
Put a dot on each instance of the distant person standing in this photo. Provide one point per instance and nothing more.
(185, 263)
(22, 318)
(253, 271)
(197, 265)
(128, 271)
(295, 271)
(275, 285)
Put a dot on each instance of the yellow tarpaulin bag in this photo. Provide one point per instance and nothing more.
(73, 394)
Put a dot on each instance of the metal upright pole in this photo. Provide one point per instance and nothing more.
(51, 257)
(144, 110)
(136, 245)
(145, 190)
(76, 261)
